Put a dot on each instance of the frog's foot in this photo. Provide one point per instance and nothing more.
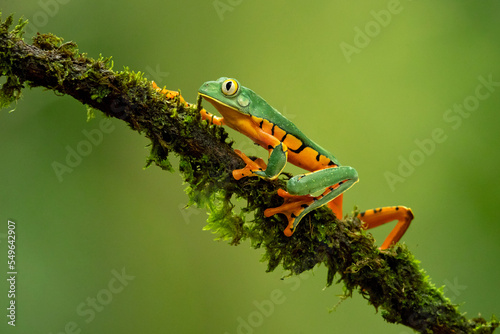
(251, 167)
(205, 115)
(292, 207)
(170, 94)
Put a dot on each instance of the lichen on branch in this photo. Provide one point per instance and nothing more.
(390, 280)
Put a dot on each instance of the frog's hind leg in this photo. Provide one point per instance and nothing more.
(171, 95)
(298, 201)
(380, 216)
(336, 206)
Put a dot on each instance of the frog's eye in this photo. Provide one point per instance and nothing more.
(229, 87)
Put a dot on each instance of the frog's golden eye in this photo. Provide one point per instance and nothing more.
(229, 87)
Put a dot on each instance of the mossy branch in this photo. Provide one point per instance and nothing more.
(390, 280)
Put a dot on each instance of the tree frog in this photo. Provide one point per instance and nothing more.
(248, 113)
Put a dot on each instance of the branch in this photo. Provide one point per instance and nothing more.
(390, 280)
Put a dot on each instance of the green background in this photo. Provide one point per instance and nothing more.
(368, 109)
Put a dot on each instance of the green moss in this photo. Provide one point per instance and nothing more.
(47, 41)
(158, 155)
(11, 89)
(90, 113)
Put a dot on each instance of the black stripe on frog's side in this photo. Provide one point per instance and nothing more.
(298, 150)
(272, 130)
(303, 146)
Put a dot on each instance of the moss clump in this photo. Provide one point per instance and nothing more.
(11, 89)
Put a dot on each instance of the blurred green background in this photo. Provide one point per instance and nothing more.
(363, 84)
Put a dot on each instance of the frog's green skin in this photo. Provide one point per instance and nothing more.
(245, 111)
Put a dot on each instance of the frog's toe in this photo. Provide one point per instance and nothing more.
(253, 166)
(289, 215)
(292, 207)
(241, 173)
(289, 230)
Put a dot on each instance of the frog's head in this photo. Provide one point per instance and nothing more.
(227, 93)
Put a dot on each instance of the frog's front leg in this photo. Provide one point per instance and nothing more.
(170, 94)
(299, 202)
(205, 115)
(275, 164)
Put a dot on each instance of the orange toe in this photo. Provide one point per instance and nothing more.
(252, 166)
(292, 207)
(238, 174)
(288, 231)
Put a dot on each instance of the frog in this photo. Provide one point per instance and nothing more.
(326, 179)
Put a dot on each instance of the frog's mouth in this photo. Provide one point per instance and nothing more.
(217, 104)
(233, 118)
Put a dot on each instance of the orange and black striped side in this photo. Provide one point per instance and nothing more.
(300, 153)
